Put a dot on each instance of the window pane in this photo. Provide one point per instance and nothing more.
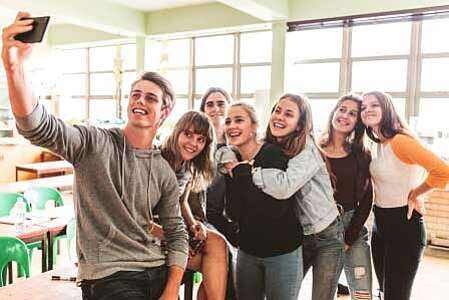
(399, 106)
(381, 39)
(432, 125)
(102, 84)
(321, 108)
(312, 44)
(128, 79)
(179, 80)
(102, 110)
(303, 78)
(434, 36)
(47, 104)
(432, 78)
(72, 110)
(174, 53)
(128, 53)
(180, 108)
(255, 47)
(214, 50)
(74, 60)
(206, 78)
(73, 84)
(255, 78)
(124, 106)
(102, 58)
(383, 75)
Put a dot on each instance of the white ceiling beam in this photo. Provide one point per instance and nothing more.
(99, 15)
(266, 10)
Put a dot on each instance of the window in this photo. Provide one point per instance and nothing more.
(89, 90)
(195, 64)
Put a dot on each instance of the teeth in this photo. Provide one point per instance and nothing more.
(233, 134)
(190, 150)
(139, 111)
(278, 125)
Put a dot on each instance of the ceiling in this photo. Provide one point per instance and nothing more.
(151, 5)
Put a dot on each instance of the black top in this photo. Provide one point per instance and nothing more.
(345, 171)
(215, 208)
(268, 227)
(354, 189)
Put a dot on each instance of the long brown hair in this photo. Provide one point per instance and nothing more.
(354, 140)
(201, 166)
(294, 142)
(391, 123)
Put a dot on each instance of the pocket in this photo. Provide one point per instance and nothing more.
(331, 232)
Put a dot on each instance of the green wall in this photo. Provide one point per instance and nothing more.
(62, 34)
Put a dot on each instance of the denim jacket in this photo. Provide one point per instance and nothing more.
(308, 179)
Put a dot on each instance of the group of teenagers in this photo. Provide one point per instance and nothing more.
(253, 213)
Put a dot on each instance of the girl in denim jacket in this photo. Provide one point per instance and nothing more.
(307, 178)
(342, 142)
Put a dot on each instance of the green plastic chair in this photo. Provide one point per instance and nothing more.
(39, 196)
(13, 249)
(8, 200)
(71, 234)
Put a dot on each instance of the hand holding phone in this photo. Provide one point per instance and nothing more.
(36, 34)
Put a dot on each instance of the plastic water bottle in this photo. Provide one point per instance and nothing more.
(20, 211)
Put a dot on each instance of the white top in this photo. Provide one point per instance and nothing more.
(392, 178)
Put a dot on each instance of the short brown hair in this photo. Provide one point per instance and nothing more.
(168, 95)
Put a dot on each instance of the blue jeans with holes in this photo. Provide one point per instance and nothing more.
(130, 285)
(323, 252)
(357, 263)
(272, 278)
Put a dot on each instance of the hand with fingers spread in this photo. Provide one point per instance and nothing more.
(14, 52)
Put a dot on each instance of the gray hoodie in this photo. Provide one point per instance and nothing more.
(117, 190)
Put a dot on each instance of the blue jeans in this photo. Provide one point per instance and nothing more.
(323, 252)
(276, 277)
(131, 285)
(357, 263)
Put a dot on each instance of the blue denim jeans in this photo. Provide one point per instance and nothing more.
(357, 263)
(148, 284)
(272, 278)
(323, 252)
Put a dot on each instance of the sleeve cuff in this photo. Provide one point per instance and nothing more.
(31, 121)
(177, 259)
(257, 178)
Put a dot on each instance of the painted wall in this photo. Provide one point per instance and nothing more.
(61, 34)
(198, 17)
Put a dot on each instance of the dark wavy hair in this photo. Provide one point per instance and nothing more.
(210, 91)
(391, 123)
(294, 142)
(201, 166)
(354, 140)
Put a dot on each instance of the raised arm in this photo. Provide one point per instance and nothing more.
(300, 169)
(14, 55)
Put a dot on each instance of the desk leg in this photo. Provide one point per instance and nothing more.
(17, 175)
(44, 254)
(50, 251)
(10, 272)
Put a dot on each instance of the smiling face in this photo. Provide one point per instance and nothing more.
(145, 105)
(239, 127)
(190, 144)
(284, 119)
(215, 107)
(371, 112)
(345, 117)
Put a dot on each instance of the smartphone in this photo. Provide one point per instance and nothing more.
(36, 34)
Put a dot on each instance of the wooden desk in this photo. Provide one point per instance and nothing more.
(41, 287)
(31, 234)
(42, 168)
(59, 182)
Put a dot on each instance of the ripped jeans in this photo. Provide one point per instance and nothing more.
(357, 263)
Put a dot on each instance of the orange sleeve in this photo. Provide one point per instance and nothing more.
(411, 151)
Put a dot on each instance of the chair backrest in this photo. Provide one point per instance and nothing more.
(13, 249)
(8, 200)
(40, 195)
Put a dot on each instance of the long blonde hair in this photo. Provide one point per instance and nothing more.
(201, 166)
